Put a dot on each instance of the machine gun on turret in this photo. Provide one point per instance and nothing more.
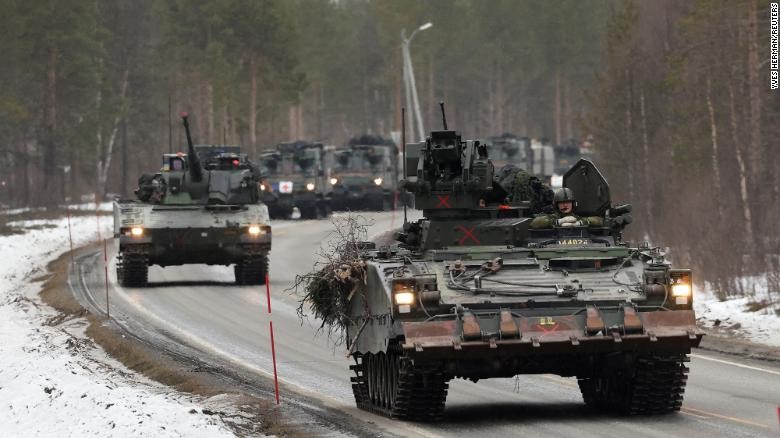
(454, 186)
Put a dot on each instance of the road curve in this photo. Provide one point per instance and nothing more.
(197, 308)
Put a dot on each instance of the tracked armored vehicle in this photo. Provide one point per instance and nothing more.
(471, 292)
(295, 180)
(196, 210)
(365, 175)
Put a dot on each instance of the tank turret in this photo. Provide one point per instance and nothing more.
(210, 175)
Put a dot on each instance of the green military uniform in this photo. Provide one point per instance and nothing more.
(521, 186)
(555, 219)
(559, 219)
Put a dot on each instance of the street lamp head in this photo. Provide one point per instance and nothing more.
(425, 26)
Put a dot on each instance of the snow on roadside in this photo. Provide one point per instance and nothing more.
(733, 317)
(53, 380)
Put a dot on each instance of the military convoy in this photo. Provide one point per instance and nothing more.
(202, 207)
(508, 149)
(295, 181)
(471, 292)
(364, 175)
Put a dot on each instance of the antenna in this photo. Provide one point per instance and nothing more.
(443, 115)
(403, 154)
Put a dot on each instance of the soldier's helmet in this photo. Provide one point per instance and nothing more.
(564, 194)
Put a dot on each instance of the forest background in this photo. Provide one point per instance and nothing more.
(675, 94)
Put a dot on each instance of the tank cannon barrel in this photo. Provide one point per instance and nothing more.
(195, 168)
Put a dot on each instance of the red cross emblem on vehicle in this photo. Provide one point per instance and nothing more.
(468, 234)
(444, 201)
(285, 187)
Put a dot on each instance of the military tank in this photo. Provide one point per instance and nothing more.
(295, 180)
(365, 175)
(194, 211)
(471, 292)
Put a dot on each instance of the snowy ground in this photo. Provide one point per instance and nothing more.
(732, 316)
(53, 380)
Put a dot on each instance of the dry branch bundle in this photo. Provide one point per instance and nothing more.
(338, 274)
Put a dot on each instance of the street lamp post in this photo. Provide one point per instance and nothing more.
(409, 84)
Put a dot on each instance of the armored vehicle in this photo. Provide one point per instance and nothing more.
(471, 292)
(365, 175)
(295, 180)
(508, 149)
(194, 211)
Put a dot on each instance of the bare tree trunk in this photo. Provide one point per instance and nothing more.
(747, 216)
(234, 130)
(320, 107)
(557, 106)
(226, 126)
(648, 201)
(99, 158)
(293, 125)
(27, 164)
(567, 113)
(398, 93)
(49, 155)
(431, 96)
(629, 133)
(499, 102)
(755, 90)
(253, 104)
(124, 157)
(105, 165)
(210, 111)
(301, 131)
(714, 138)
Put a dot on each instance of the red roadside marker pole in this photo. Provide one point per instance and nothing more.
(273, 345)
(105, 251)
(105, 271)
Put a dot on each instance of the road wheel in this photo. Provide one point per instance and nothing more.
(654, 384)
(251, 270)
(326, 210)
(132, 270)
(238, 272)
(309, 212)
(388, 384)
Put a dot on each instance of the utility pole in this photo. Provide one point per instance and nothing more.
(410, 86)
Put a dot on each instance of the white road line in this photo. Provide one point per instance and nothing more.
(763, 370)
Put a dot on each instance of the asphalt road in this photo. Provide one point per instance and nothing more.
(200, 308)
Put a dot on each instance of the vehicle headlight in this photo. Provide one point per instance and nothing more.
(262, 187)
(254, 230)
(403, 294)
(402, 298)
(310, 186)
(137, 231)
(378, 181)
(681, 290)
(681, 286)
(333, 181)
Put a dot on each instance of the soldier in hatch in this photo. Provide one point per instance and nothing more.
(564, 203)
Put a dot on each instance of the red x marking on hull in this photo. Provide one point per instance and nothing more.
(444, 201)
(468, 233)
